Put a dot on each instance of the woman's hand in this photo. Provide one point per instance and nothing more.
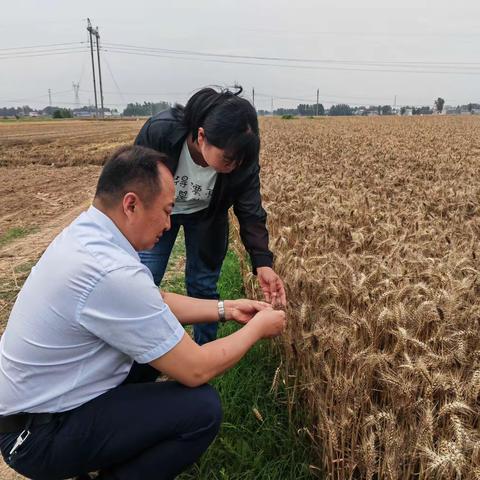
(272, 286)
(243, 310)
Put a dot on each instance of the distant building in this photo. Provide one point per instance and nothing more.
(449, 110)
(110, 113)
(83, 114)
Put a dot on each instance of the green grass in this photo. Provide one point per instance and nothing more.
(14, 233)
(24, 119)
(246, 447)
(174, 278)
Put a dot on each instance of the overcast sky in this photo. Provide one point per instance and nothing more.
(353, 54)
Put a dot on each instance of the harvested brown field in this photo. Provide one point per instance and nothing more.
(64, 142)
(48, 171)
(375, 223)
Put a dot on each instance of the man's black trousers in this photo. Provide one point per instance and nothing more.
(139, 430)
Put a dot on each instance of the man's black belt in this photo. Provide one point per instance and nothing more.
(22, 421)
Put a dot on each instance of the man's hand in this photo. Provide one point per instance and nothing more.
(272, 322)
(243, 310)
(272, 286)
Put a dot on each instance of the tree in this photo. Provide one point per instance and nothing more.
(306, 110)
(62, 113)
(13, 111)
(342, 109)
(284, 111)
(145, 110)
(386, 110)
(439, 103)
(425, 110)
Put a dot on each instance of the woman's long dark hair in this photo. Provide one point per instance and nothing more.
(230, 122)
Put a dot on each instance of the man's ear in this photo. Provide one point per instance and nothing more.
(130, 203)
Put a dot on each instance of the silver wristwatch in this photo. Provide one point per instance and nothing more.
(221, 311)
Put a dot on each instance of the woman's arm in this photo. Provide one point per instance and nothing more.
(253, 232)
(252, 219)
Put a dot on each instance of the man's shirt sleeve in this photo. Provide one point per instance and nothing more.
(125, 309)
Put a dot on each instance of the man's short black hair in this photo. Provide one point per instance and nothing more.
(130, 169)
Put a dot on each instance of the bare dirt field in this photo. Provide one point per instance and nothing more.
(48, 172)
(64, 142)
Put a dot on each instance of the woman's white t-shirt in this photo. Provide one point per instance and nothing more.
(193, 184)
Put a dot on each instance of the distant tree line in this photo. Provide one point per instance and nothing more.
(416, 110)
(50, 111)
(343, 109)
(15, 111)
(144, 109)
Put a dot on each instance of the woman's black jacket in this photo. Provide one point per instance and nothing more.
(166, 133)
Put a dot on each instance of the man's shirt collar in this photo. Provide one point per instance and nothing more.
(106, 223)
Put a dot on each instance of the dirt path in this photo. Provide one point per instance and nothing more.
(17, 257)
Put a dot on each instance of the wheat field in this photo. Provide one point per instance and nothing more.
(375, 224)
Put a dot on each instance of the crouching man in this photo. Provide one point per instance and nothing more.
(90, 332)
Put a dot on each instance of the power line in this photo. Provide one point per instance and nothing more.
(338, 97)
(412, 66)
(157, 94)
(82, 71)
(301, 67)
(35, 97)
(47, 54)
(363, 34)
(42, 46)
(113, 78)
(410, 63)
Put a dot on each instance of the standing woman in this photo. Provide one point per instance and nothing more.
(212, 146)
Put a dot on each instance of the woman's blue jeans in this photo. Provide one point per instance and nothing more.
(200, 280)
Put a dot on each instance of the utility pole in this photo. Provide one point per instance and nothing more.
(272, 106)
(97, 35)
(316, 112)
(90, 31)
(253, 96)
(49, 97)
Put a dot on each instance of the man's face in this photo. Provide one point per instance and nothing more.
(149, 222)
